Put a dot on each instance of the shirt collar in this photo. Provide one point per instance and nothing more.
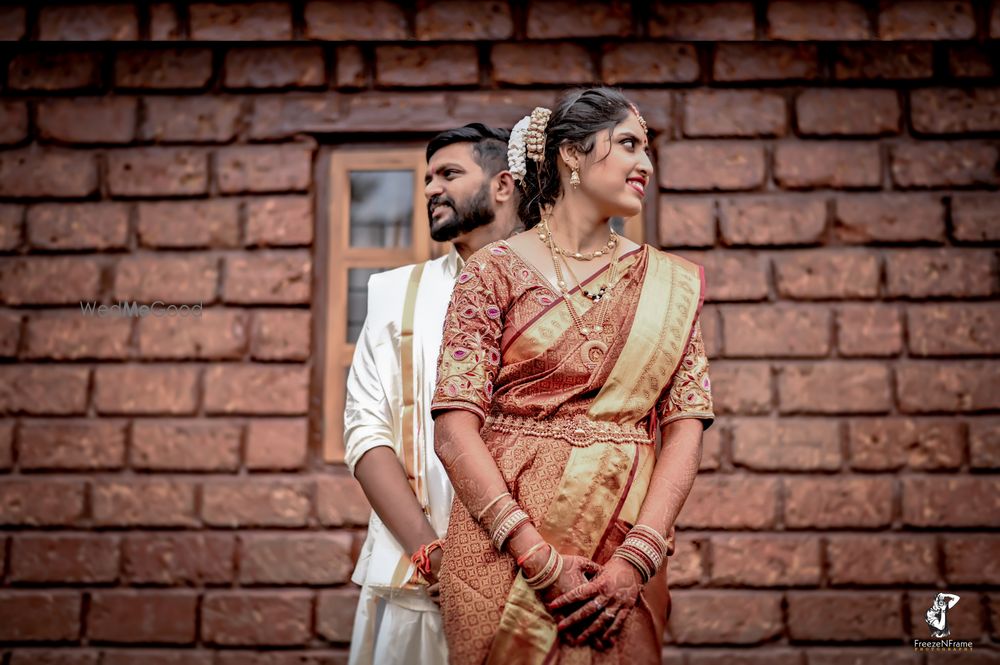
(453, 263)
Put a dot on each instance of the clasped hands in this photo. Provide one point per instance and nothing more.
(591, 602)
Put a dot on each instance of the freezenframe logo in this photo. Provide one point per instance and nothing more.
(936, 619)
(136, 310)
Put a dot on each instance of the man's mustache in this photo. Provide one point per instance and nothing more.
(439, 200)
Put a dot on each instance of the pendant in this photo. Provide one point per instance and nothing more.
(593, 353)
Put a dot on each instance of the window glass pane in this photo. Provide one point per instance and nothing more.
(381, 208)
(357, 299)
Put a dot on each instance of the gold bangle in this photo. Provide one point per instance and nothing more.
(491, 504)
(531, 550)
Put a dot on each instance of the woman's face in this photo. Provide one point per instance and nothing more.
(617, 172)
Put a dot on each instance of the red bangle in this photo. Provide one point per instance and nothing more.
(422, 557)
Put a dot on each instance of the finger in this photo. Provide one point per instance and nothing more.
(581, 593)
(590, 567)
(585, 612)
(434, 589)
(616, 626)
(600, 624)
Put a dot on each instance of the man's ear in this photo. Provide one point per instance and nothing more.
(505, 187)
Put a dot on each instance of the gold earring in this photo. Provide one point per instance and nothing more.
(574, 178)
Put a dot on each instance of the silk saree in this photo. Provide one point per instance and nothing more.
(571, 426)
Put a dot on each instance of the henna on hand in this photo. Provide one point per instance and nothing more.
(607, 601)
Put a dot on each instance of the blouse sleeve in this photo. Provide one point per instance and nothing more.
(690, 394)
(469, 360)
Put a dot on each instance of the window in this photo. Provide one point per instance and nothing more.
(375, 220)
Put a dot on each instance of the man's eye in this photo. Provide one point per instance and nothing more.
(449, 173)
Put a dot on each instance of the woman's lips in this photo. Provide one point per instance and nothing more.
(637, 186)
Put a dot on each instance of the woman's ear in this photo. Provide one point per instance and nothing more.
(569, 156)
(505, 186)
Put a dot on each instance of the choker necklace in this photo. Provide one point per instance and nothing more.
(545, 235)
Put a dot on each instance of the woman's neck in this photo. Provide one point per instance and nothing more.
(576, 228)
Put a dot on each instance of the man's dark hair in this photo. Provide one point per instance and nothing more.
(489, 145)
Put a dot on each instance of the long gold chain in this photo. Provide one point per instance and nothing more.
(602, 307)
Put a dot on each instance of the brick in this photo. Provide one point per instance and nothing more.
(13, 122)
(711, 450)
(772, 220)
(164, 24)
(895, 443)
(923, 273)
(43, 389)
(464, 20)
(300, 559)
(256, 503)
(56, 656)
(786, 445)
(834, 21)
(954, 329)
(944, 164)
(847, 616)
(711, 617)
(157, 171)
(64, 558)
(685, 222)
(503, 108)
(707, 21)
(734, 113)
(281, 335)
(838, 502)
(214, 335)
(731, 502)
(13, 21)
(375, 20)
(163, 69)
(288, 114)
(278, 618)
(148, 502)
(929, 501)
(126, 616)
(158, 657)
(920, 19)
(656, 107)
(955, 111)
(178, 559)
(36, 172)
(972, 559)
(241, 22)
(71, 226)
(984, 443)
(969, 61)
(277, 444)
(84, 444)
(190, 119)
(275, 67)
(687, 565)
(90, 23)
(279, 221)
(842, 112)
(809, 164)
(776, 561)
(268, 277)
(11, 226)
(765, 62)
(25, 502)
(264, 168)
(859, 655)
(883, 62)
(350, 69)
(54, 70)
(763, 656)
(711, 165)
(948, 387)
(975, 217)
(861, 387)
(335, 610)
(10, 334)
(68, 336)
(185, 445)
(189, 224)
(6, 455)
(828, 274)
(257, 389)
(189, 278)
(145, 389)
(421, 66)
(340, 501)
(873, 218)
(553, 19)
(741, 387)
(879, 560)
(517, 63)
(35, 616)
(637, 62)
(775, 331)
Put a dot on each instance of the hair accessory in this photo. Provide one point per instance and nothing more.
(574, 178)
(534, 138)
(642, 121)
(516, 150)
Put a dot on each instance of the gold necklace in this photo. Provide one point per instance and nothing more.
(597, 295)
(545, 235)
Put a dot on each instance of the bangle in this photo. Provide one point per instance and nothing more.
(490, 505)
(515, 519)
(507, 508)
(645, 549)
(549, 574)
(531, 550)
(422, 557)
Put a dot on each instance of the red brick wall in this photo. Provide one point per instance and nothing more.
(834, 166)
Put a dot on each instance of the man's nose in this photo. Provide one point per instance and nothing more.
(432, 189)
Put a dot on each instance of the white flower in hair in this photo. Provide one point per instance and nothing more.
(516, 151)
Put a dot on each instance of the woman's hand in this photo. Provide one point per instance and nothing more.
(576, 571)
(607, 601)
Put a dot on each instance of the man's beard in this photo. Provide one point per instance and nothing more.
(469, 215)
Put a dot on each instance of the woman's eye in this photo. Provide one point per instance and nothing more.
(628, 143)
